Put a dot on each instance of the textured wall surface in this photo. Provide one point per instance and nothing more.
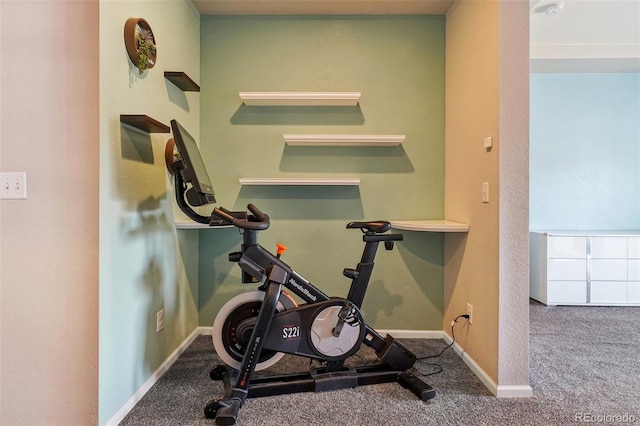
(49, 245)
(585, 151)
(513, 349)
(397, 63)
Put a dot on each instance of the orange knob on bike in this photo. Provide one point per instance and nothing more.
(281, 249)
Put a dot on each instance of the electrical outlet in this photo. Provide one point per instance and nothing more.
(13, 186)
(160, 320)
(470, 313)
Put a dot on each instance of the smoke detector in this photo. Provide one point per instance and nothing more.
(552, 8)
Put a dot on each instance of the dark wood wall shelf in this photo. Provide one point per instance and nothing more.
(182, 80)
(144, 123)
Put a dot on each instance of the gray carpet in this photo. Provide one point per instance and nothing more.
(584, 362)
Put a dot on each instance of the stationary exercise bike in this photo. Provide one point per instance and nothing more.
(254, 330)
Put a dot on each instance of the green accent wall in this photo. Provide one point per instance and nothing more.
(145, 265)
(397, 63)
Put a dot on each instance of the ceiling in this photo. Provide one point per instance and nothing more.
(585, 36)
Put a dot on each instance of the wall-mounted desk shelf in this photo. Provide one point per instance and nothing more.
(301, 181)
(182, 80)
(343, 140)
(144, 123)
(300, 98)
(430, 225)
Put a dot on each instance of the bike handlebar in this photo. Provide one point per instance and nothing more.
(259, 221)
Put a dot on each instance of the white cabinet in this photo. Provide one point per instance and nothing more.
(590, 268)
(633, 269)
(558, 269)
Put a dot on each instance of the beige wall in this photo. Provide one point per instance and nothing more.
(488, 267)
(49, 246)
(471, 271)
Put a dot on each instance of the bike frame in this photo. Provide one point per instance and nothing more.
(274, 275)
(257, 262)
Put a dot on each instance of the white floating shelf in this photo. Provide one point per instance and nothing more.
(430, 225)
(189, 224)
(343, 140)
(300, 98)
(301, 181)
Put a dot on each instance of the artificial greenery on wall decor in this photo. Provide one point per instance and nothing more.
(140, 43)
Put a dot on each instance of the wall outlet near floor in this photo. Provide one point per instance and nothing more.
(470, 313)
(160, 320)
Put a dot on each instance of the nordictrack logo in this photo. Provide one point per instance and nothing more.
(302, 289)
(603, 418)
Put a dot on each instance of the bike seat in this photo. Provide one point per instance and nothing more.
(377, 227)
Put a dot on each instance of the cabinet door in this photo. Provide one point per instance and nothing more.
(633, 247)
(564, 247)
(609, 292)
(609, 247)
(634, 292)
(567, 270)
(567, 292)
(633, 268)
(609, 269)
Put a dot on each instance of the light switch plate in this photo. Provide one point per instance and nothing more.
(488, 142)
(485, 192)
(13, 186)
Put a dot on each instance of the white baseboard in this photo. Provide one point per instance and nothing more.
(413, 334)
(473, 365)
(142, 390)
(500, 391)
(510, 391)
